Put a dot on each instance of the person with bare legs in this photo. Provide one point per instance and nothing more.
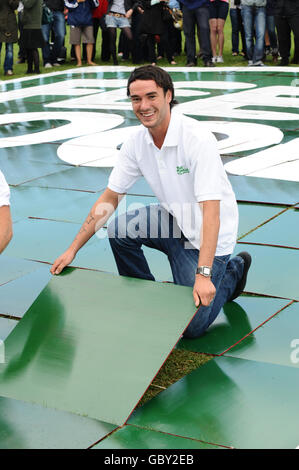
(81, 27)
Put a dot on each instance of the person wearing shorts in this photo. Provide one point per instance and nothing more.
(81, 27)
(218, 15)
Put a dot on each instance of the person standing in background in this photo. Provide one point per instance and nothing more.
(32, 37)
(57, 26)
(218, 15)
(237, 28)
(254, 21)
(8, 31)
(5, 216)
(81, 26)
(271, 46)
(287, 21)
(196, 12)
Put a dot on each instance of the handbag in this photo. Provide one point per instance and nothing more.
(47, 15)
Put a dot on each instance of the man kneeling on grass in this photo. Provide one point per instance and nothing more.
(195, 223)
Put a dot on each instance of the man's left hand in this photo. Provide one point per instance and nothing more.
(204, 291)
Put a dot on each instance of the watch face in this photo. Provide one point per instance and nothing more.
(204, 271)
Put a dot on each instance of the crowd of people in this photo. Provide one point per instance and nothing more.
(150, 29)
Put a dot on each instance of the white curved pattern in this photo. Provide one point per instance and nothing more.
(98, 150)
(279, 162)
(76, 124)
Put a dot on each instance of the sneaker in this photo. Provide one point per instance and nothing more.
(209, 63)
(214, 59)
(55, 64)
(250, 63)
(242, 282)
(48, 65)
(219, 59)
(259, 63)
(9, 72)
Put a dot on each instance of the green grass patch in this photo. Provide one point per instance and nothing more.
(178, 364)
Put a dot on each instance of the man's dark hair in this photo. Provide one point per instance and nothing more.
(158, 75)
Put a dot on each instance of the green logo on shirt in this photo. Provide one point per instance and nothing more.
(181, 170)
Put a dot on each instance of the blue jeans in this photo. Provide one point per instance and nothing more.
(254, 21)
(58, 26)
(270, 23)
(154, 227)
(8, 61)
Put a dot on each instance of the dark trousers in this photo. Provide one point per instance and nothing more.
(285, 25)
(200, 17)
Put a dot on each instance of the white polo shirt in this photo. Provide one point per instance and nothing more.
(185, 171)
(4, 191)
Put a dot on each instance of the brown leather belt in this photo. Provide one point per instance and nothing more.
(118, 15)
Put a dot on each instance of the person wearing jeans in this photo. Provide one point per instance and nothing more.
(196, 221)
(254, 21)
(57, 26)
(159, 230)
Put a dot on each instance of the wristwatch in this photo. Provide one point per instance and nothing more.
(205, 271)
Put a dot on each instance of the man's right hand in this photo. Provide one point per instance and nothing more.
(62, 261)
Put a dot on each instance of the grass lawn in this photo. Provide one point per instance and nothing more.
(229, 60)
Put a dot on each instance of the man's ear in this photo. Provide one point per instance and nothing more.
(169, 96)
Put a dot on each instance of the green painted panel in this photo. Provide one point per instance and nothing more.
(45, 240)
(57, 204)
(248, 188)
(282, 230)
(232, 402)
(275, 342)
(12, 268)
(132, 437)
(236, 320)
(252, 215)
(27, 426)
(18, 170)
(41, 240)
(274, 271)
(75, 178)
(90, 345)
(18, 295)
(62, 205)
(6, 326)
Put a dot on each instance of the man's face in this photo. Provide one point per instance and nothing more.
(150, 104)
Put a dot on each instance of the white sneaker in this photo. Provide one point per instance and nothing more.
(48, 65)
(214, 60)
(219, 59)
(56, 64)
